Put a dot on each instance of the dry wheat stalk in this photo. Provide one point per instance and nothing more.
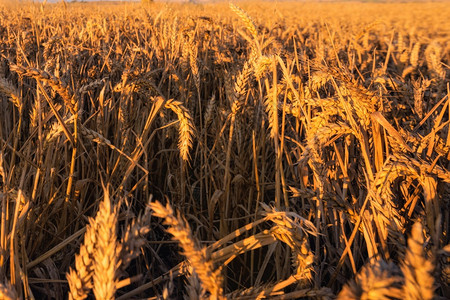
(210, 110)
(317, 138)
(408, 70)
(173, 37)
(193, 53)
(98, 261)
(362, 101)
(34, 112)
(394, 168)
(194, 288)
(91, 86)
(318, 80)
(433, 59)
(185, 54)
(414, 58)
(240, 88)
(262, 64)
(56, 130)
(405, 55)
(419, 90)
(271, 104)
(49, 45)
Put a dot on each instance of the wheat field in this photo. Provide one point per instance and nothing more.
(256, 150)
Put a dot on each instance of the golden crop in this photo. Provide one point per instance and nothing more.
(301, 150)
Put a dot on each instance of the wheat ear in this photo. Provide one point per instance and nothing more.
(197, 256)
(98, 261)
(133, 238)
(9, 90)
(186, 127)
(55, 83)
(375, 281)
(106, 256)
(80, 278)
(249, 23)
(7, 292)
(417, 269)
(293, 230)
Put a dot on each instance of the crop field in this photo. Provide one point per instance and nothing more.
(256, 150)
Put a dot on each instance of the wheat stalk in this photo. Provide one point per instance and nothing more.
(193, 53)
(98, 261)
(292, 230)
(240, 89)
(414, 58)
(210, 110)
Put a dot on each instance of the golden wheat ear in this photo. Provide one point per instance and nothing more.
(97, 264)
(417, 269)
(210, 278)
(7, 292)
(106, 256)
(80, 278)
(185, 127)
(134, 237)
(248, 21)
(377, 280)
(11, 92)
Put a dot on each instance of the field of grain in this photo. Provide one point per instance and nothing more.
(225, 151)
